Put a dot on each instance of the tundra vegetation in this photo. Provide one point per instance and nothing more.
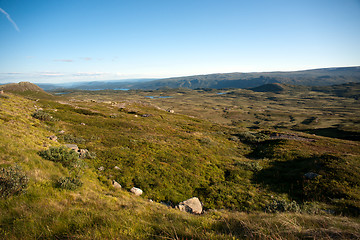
(266, 164)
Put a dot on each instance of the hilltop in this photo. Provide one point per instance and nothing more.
(26, 89)
(21, 87)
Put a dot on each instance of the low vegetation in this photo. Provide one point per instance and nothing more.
(255, 180)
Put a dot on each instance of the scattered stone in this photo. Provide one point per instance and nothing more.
(61, 131)
(73, 147)
(117, 168)
(170, 111)
(101, 168)
(83, 124)
(290, 137)
(116, 184)
(53, 138)
(192, 205)
(1, 91)
(135, 115)
(311, 175)
(150, 200)
(146, 115)
(136, 191)
(83, 153)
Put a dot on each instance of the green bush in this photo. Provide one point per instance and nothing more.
(69, 183)
(281, 205)
(12, 181)
(249, 137)
(67, 157)
(69, 138)
(43, 116)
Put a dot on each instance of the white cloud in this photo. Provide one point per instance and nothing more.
(9, 18)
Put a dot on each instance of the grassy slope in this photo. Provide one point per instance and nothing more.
(139, 145)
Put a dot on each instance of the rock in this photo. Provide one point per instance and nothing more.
(101, 168)
(1, 92)
(311, 175)
(146, 115)
(117, 168)
(53, 138)
(61, 131)
(136, 191)
(170, 111)
(73, 147)
(83, 153)
(83, 124)
(116, 184)
(192, 205)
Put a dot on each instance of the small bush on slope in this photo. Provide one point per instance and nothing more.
(12, 181)
(43, 116)
(63, 155)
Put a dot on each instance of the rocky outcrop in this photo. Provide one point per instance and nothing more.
(101, 168)
(192, 205)
(116, 185)
(310, 175)
(136, 191)
(53, 138)
(73, 147)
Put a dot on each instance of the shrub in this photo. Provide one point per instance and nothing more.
(252, 166)
(64, 155)
(69, 183)
(281, 205)
(12, 181)
(69, 138)
(43, 116)
(249, 137)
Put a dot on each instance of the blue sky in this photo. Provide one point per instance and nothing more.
(88, 40)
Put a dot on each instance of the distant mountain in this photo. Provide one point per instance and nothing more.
(314, 77)
(95, 85)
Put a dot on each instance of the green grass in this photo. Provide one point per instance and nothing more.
(237, 174)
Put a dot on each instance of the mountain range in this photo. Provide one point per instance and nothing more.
(313, 77)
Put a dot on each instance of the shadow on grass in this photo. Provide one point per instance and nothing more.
(287, 176)
(334, 133)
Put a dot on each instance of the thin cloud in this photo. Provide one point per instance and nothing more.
(63, 60)
(86, 58)
(9, 18)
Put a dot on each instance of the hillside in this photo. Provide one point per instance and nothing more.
(26, 89)
(315, 77)
(253, 182)
(351, 90)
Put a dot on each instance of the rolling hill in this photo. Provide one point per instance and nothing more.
(258, 176)
(315, 77)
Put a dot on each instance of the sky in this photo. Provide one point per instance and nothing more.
(57, 41)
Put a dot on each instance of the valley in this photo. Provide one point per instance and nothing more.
(257, 160)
